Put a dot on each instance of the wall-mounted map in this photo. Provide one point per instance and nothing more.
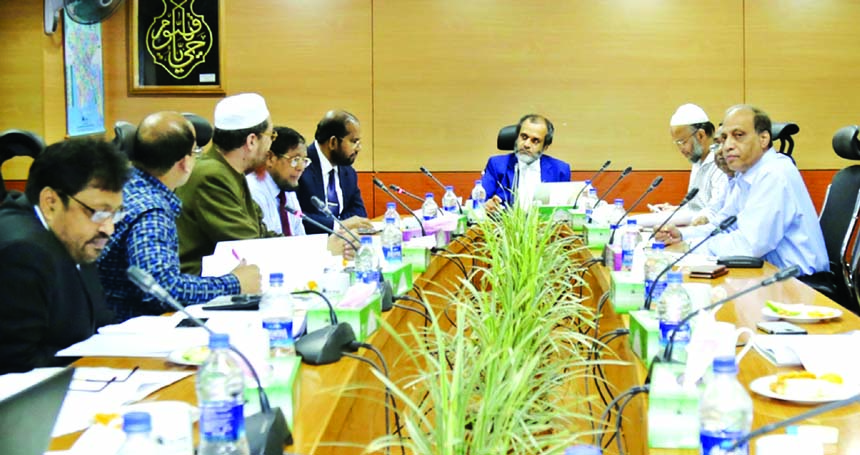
(85, 89)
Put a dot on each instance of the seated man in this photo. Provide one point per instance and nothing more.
(776, 218)
(50, 296)
(164, 154)
(330, 175)
(216, 201)
(522, 170)
(716, 204)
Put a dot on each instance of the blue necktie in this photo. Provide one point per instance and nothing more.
(331, 195)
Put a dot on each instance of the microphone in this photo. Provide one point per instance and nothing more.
(624, 173)
(722, 227)
(396, 199)
(402, 191)
(782, 275)
(599, 171)
(441, 185)
(266, 430)
(323, 207)
(689, 197)
(316, 223)
(657, 181)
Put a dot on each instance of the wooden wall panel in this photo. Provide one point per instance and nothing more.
(801, 65)
(609, 75)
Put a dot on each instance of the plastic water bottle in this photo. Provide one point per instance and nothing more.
(366, 263)
(429, 208)
(391, 212)
(220, 386)
(655, 262)
(479, 196)
(629, 240)
(612, 257)
(392, 243)
(138, 435)
(674, 305)
(449, 200)
(725, 411)
(617, 212)
(589, 216)
(277, 310)
(589, 199)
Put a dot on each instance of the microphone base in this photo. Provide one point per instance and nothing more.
(325, 345)
(267, 432)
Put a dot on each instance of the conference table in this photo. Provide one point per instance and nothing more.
(340, 407)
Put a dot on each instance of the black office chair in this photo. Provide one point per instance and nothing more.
(124, 133)
(18, 143)
(202, 129)
(507, 138)
(782, 132)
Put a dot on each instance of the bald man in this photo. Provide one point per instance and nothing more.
(164, 155)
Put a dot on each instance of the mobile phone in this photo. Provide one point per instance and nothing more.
(189, 323)
(780, 328)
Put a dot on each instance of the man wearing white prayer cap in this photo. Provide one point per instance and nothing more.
(693, 134)
(216, 201)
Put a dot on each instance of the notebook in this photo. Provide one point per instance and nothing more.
(27, 416)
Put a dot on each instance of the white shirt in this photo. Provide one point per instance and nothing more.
(711, 182)
(326, 167)
(265, 194)
(528, 179)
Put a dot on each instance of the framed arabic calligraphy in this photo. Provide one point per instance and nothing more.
(175, 47)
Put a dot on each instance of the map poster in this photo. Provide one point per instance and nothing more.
(85, 87)
(175, 47)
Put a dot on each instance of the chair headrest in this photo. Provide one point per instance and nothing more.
(783, 130)
(507, 138)
(202, 128)
(124, 137)
(845, 142)
(20, 143)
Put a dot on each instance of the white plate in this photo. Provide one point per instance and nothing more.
(178, 357)
(761, 386)
(829, 313)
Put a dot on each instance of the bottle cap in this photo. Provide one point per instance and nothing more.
(478, 182)
(725, 365)
(136, 422)
(619, 201)
(275, 278)
(587, 182)
(658, 246)
(675, 277)
(366, 240)
(390, 206)
(219, 340)
(449, 188)
(630, 221)
(428, 196)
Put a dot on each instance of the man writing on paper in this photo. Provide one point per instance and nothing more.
(776, 218)
(520, 172)
(164, 155)
(50, 296)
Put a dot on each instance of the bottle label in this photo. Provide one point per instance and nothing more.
(393, 254)
(682, 333)
(222, 421)
(658, 290)
(718, 443)
(280, 332)
(431, 217)
(450, 208)
(367, 276)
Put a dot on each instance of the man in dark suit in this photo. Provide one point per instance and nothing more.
(50, 296)
(330, 176)
(521, 171)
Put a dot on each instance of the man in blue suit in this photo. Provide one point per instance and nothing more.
(330, 176)
(520, 172)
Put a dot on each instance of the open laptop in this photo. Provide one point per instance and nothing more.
(27, 416)
(556, 193)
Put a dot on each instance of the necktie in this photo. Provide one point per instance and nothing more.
(282, 211)
(331, 195)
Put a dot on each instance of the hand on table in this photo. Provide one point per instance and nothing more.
(668, 235)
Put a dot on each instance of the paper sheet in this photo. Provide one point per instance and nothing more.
(142, 344)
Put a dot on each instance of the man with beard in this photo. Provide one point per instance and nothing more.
(692, 132)
(330, 176)
(717, 203)
(520, 172)
(50, 296)
(216, 201)
(164, 155)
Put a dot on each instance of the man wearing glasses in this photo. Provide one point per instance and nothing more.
(164, 154)
(693, 134)
(50, 296)
(216, 201)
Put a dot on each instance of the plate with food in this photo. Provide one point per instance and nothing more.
(803, 387)
(799, 312)
(193, 356)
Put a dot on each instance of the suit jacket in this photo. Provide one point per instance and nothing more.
(46, 303)
(216, 206)
(498, 178)
(311, 184)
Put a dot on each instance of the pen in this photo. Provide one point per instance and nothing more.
(236, 255)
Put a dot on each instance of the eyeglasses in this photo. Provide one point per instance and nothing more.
(100, 216)
(294, 161)
(83, 385)
(681, 142)
(197, 152)
(273, 135)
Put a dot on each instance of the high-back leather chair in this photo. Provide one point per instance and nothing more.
(18, 143)
(202, 128)
(782, 132)
(125, 133)
(507, 138)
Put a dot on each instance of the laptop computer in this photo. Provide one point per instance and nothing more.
(27, 416)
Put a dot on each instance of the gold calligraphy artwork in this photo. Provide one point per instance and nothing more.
(179, 39)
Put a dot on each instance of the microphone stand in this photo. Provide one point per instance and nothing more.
(323, 207)
(441, 185)
(599, 171)
(624, 173)
(657, 181)
(402, 191)
(689, 197)
(396, 199)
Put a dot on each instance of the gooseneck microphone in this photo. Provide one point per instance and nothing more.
(599, 171)
(657, 181)
(624, 173)
(722, 227)
(782, 275)
(396, 199)
(689, 197)
(266, 430)
(316, 223)
(323, 207)
(400, 190)
(441, 185)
